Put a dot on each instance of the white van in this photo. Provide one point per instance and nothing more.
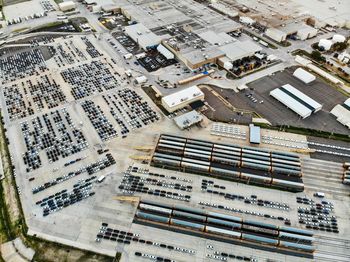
(100, 179)
(319, 194)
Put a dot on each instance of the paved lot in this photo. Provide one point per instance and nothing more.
(218, 111)
(278, 114)
(78, 224)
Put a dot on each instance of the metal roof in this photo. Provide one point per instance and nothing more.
(306, 99)
(240, 49)
(291, 103)
(254, 134)
(188, 119)
(304, 75)
(182, 96)
(142, 35)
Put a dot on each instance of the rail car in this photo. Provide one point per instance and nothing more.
(227, 226)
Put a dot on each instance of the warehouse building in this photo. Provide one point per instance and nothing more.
(240, 49)
(342, 113)
(67, 6)
(304, 76)
(254, 134)
(182, 98)
(295, 100)
(188, 119)
(276, 35)
(165, 52)
(143, 36)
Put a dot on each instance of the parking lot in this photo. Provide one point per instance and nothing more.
(155, 60)
(75, 169)
(278, 114)
(127, 42)
(218, 111)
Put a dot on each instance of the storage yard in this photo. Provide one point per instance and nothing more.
(177, 173)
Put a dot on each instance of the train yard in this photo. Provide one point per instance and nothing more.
(98, 166)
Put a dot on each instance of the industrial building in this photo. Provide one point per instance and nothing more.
(182, 98)
(67, 6)
(165, 52)
(188, 119)
(240, 49)
(295, 100)
(304, 76)
(326, 44)
(342, 113)
(254, 134)
(143, 36)
(276, 35)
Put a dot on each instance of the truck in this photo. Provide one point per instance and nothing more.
(100, 179)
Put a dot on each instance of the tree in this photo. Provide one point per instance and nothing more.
(316, 55)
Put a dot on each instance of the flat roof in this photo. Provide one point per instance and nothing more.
(182, 96)
(342, 114)
(188, 119)
(197, 56)
(254, 134)
(240, 49)
(142, 35)
(216, 38)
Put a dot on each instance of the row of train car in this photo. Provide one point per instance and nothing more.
(226, 226)
(280, 162)
(346, 175)
(239, 164)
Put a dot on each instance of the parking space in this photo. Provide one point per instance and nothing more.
(130, 45)
(129, 110)
(54, 133)
(22, 64)
(91, 78)
(217, 110)
(278, 114)
(28, 97)
(154, 60)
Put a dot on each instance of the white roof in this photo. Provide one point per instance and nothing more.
(240, 49)
(291, 103)
(214, 38)
(142, 35)
(342, 115)
(347, 102)
(188, 119)
(338, 38)
(304, 75)
(182, 96)
(165, 52)
(303, 97)
(325, 43)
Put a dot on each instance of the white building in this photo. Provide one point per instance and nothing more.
(325, 43)
(188, 119)
(295, 100)
(165, 52)
(143, 36)
(304, 76)
(342, 113)
(66, 6)
(182, 98)
(141, 79)
(276, 35)
(239, 49)
(338, 39)
(306, 32)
